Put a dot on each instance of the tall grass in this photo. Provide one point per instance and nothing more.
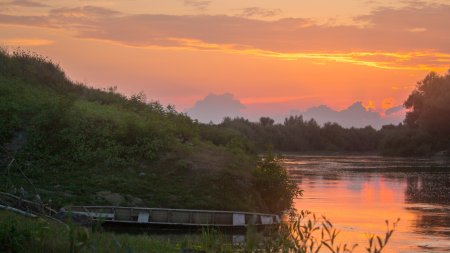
(305, 233)
(19, 234)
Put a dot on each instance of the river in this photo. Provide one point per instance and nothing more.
(358, 193)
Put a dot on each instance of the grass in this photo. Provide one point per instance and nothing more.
(19, 234)
(306, 233)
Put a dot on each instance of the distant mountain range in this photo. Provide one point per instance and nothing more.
(356, 115)
(213, 108)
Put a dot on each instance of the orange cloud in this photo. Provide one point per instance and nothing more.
(290, 39)
(26, 42)
(377, 59)
(416, 29)
(24, 3)
(268, 100)
(388, 103)
(369, 105)
(376, 44)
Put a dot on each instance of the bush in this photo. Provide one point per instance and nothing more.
(274, 185)
(404, 141)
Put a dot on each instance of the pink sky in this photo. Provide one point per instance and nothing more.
(273, 56)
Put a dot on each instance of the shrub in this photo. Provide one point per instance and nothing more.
(274, 185)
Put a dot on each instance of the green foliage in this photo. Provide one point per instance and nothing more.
(429, 103)
(377, 246)
(427, 128)
(19, 234)
(33, 68)
(430, 110)
(15, 236)
(79, 142)
(405, 141)
(427, 124)
(11, 238)
(304, 233)
(272, 181)
(266, 121)
(85, 133)
(308, 233)
(214, 241)
(297, 135)
(228, 138)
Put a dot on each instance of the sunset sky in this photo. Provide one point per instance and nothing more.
(272, 56)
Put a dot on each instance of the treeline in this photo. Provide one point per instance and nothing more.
(426, 129)
(295, 135)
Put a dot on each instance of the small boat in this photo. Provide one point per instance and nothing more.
(165, 218)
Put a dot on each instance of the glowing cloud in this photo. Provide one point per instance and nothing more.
(377, 59)
(409, 38)
(26, 42)
(388, 103)
(369, 106)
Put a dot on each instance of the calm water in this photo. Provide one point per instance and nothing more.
(358, 193)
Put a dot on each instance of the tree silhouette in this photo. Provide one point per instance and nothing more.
(430, 106)
(266, 121)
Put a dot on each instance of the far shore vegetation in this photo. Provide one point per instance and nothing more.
(424, 132)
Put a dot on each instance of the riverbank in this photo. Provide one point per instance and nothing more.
(64, 143)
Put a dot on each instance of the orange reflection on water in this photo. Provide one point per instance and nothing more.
(359, 206)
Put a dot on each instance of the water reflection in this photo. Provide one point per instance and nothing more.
(433, 192)
(359, 192)
(428, 188)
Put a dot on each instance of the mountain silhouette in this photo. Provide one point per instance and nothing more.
(356, 115)
(213, 108)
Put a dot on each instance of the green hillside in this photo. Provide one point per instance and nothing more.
(72, 144)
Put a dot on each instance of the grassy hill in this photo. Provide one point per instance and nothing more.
(72, 144)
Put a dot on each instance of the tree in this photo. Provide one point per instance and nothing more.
(295, 120)
(266, 121)
(430, 106)
(273, 183)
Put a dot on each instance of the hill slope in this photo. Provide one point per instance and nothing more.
(77, 145)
